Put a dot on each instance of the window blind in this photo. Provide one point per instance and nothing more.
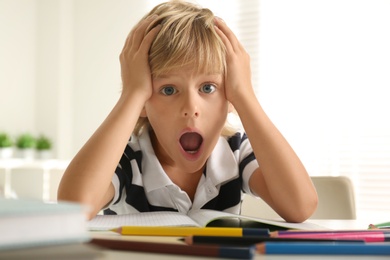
(324, 78)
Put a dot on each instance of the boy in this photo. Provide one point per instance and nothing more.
(183, 71)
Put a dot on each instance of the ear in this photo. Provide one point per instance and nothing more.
(143, 113)
(231, 108)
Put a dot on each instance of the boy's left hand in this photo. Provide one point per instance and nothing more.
(238, 80)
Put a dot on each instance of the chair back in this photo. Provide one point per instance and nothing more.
(336, 200)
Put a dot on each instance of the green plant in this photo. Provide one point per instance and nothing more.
(43, 143)
(25, 141)
(5, 140)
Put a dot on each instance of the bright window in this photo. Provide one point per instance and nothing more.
(324, 75)
(321, 70)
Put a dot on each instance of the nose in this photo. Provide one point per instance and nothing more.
(190, 106)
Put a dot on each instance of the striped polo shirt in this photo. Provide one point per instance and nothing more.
(141, 185)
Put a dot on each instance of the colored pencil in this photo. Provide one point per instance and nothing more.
(385, 225)
(307, 248)
(367, 236)
(190, 231)
(295, 231)
(177, 249)
(251, 240)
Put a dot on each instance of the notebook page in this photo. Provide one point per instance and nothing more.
(204, 217)
(107, 222)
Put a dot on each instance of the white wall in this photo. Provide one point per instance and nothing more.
(101, 28)
(59, 66)
(17, 65)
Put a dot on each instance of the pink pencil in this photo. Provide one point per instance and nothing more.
(367, 236)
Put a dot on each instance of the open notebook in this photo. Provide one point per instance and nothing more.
(198, 218)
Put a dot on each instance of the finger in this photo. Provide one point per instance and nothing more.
(228, 33)
(139, 32)
(148, 39)
(135, 31)
(225, 40)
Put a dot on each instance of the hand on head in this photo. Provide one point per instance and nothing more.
(135, 69)
(238, 71)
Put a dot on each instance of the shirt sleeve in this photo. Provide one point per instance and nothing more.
(247, 162)
(116, 184)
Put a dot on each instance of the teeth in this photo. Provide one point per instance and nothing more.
(191, 152)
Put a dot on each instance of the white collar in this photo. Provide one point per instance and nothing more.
(152, 171)
(221, 165)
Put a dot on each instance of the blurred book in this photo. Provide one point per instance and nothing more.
(73, 251)
(28, 223)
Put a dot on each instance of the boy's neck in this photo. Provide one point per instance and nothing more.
(187, 181)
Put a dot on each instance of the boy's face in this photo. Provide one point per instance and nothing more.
(187, 112)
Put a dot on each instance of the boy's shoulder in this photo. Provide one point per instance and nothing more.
(236, 140)
(134, 141)
(140, 142)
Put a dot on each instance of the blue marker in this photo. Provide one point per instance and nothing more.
(332, 248)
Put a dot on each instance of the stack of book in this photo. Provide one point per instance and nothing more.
(38, 229)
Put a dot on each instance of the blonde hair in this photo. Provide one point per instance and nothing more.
(187, 37)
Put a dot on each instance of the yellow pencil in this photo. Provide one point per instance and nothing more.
(190, 231)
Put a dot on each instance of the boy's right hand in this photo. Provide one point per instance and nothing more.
(135, 69)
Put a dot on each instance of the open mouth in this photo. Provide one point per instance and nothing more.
(191, 142)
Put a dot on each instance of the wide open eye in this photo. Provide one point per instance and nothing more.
(207, 88)
(168, 90)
